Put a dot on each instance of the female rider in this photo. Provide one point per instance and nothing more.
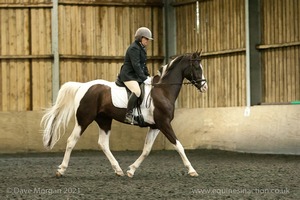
(134, 70)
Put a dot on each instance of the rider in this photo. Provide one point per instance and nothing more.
(134, 70)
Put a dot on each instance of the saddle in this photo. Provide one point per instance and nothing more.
(139, 118)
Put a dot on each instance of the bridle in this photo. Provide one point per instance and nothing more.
(193, 81)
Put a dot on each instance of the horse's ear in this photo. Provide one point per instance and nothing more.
(198, 53)
(194, 55)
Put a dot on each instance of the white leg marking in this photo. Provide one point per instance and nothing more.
(150, 138)
(104, 144)
(179, 148)
(72, 140)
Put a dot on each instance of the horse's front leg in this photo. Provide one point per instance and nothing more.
(150, 138)
(104, 144)
(167, 130)
(179, 148)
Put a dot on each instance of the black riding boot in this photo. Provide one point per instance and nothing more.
(131, 104)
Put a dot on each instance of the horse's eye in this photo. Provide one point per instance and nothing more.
(197, 65)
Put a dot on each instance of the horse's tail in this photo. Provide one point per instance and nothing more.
(58, 116)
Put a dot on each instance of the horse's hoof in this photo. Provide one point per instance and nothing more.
(129, 174)
(120, 173)
(193, 174)
(58, 174)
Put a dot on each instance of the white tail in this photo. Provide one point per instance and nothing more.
(59, 115)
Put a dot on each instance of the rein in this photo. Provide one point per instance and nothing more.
(192, 82)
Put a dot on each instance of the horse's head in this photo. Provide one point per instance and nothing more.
(189, 66)
(194, 72)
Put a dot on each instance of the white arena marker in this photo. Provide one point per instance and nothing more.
(247, 111)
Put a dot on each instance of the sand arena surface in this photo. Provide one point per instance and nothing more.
(222, 175)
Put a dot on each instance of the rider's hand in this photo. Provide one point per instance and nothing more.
(148, 80)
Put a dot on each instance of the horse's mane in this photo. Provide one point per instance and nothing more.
(166, 68)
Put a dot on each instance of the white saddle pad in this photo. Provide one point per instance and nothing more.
(119, 99)
(119, 94)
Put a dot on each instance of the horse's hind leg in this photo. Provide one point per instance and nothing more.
(150, 138)
(104, 133)
(72, 140)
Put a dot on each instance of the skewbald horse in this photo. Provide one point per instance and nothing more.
(92, 101)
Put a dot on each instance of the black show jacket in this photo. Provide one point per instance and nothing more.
(134, 66)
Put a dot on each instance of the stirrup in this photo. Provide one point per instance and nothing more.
(128, 118)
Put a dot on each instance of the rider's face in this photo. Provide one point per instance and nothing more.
(145, 41)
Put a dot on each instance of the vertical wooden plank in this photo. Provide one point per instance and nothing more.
(157, 32)
(290, 85)
(265, 77)
(203, 21)
(127, 38)
(290, 61)
(40, 49)
(268, 12)
(91, 41)
(263, 54)
(35, 65)
(216, 25)
(20, 70)
(4, 85)
(178, 39)
(3, 26)
(272, 72)
(285, 38)
(12, 65)
(208, 25)
(119, 27)
(26, 49)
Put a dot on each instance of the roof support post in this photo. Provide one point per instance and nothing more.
(170, 30)
(55, 64)
(253, 58)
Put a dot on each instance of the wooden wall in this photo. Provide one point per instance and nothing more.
(281, 50)
(221, 36)
(93, 37)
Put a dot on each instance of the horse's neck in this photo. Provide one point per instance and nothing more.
(172, 85)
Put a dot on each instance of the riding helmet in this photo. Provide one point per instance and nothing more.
(143, 32)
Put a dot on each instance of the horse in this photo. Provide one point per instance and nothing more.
(92, 101)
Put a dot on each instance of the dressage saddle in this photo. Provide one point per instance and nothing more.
(139, 119)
